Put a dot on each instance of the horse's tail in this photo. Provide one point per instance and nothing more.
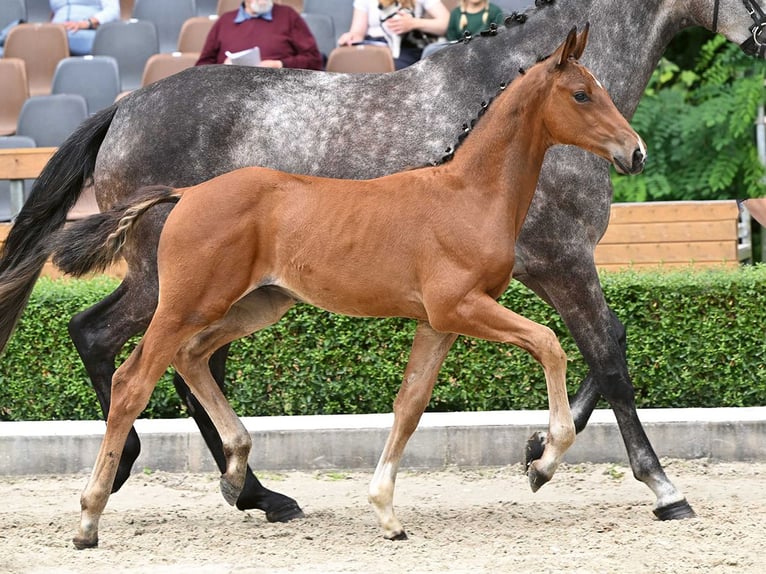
(54, 193)
(93, 243)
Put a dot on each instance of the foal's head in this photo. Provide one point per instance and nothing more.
(579, 111)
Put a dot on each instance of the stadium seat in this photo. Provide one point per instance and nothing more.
(168, 17)
(194, 33)
(41, 46)
(509, 6)
(207, 7)
(11, 11)
(7, 208)
(131, 43)
(339, 10)
(296, 5)
(323, 29)
(50, 119)
(227, 6)
(126, 9)
(38, 10)
(13, 78)
(360, 59)
(96, 78)
(161, 66)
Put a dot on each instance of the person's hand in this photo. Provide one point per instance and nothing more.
(346, 39)
(400, 24)
(271, 64)
(74, 26)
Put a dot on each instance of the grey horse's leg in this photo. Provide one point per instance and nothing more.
(578, 297)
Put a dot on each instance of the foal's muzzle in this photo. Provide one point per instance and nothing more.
(632, 166)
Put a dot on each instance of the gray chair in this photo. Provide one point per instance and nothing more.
(11, 11)
(206, 7)
(7, 209)
(38, 10)
(340, 11)
(96, 78)
(168, 17)
(49, 120)
(509, 6)
(131, 42)
(323, 29)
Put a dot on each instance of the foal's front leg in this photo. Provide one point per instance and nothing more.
(479, 315)
(429, 349)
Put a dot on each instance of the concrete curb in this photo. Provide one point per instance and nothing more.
(467, 439)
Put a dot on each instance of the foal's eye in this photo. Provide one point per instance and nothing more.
(581, 97)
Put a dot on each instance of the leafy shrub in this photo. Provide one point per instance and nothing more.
(695, 339)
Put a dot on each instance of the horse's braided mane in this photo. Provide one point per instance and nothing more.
(515, 18)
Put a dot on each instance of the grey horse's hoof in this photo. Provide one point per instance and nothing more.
(285, 514)
(676, 511)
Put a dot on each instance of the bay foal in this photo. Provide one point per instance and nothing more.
(434, 244)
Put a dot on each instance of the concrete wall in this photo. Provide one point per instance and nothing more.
(355, 441)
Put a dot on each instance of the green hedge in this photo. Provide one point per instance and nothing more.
(695, 339)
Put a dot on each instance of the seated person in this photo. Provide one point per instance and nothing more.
(81, 18)
(472, 16)
(391, 23)
(283, 37)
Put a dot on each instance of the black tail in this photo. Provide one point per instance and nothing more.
(54, 193)
(92, 244)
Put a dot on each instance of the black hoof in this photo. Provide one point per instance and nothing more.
(676, 511)
(534, 448)
(401, 536)
(287, 513)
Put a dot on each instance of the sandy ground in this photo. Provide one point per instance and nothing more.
(590, 519)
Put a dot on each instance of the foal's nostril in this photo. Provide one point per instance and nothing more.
(638, 158)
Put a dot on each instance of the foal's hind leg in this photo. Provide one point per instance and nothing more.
(429, 349)
(277, 506)
(132, 385)
(98, 334)
(256, 311)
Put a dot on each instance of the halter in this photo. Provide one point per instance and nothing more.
(756, 43)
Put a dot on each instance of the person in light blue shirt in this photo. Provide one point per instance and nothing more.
(81, 18)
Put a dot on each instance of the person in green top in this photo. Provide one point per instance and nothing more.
(472, 16)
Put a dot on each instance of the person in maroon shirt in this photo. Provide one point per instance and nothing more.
(283, 37)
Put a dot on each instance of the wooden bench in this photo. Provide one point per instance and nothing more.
(672, 234)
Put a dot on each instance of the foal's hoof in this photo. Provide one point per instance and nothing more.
(83, 543)
(675, 511)
(290, 511)
(534, 448)
(536, 478)
(229, 491)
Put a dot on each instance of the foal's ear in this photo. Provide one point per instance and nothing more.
(567, 49)
(582, 40)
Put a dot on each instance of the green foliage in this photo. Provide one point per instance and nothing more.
(698, 126)
(695, 339)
